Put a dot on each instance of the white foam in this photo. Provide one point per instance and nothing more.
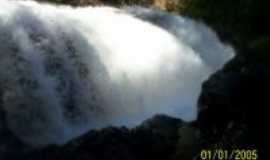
(67, 70)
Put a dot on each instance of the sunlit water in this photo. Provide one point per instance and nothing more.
(67, 70)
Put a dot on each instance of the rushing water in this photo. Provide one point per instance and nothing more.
(66, 70)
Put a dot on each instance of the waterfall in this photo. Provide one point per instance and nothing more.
(67, 70)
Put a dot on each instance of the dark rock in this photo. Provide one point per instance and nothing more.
(162, 124)
(233, 105)
(10, 146)
(155, 139)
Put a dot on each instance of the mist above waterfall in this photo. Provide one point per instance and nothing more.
(66, 70)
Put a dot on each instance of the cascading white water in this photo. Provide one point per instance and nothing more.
(67, 70)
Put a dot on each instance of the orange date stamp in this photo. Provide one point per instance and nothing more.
(223, 154)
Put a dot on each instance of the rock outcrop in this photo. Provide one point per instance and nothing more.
(154, 139)
(233, 106)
